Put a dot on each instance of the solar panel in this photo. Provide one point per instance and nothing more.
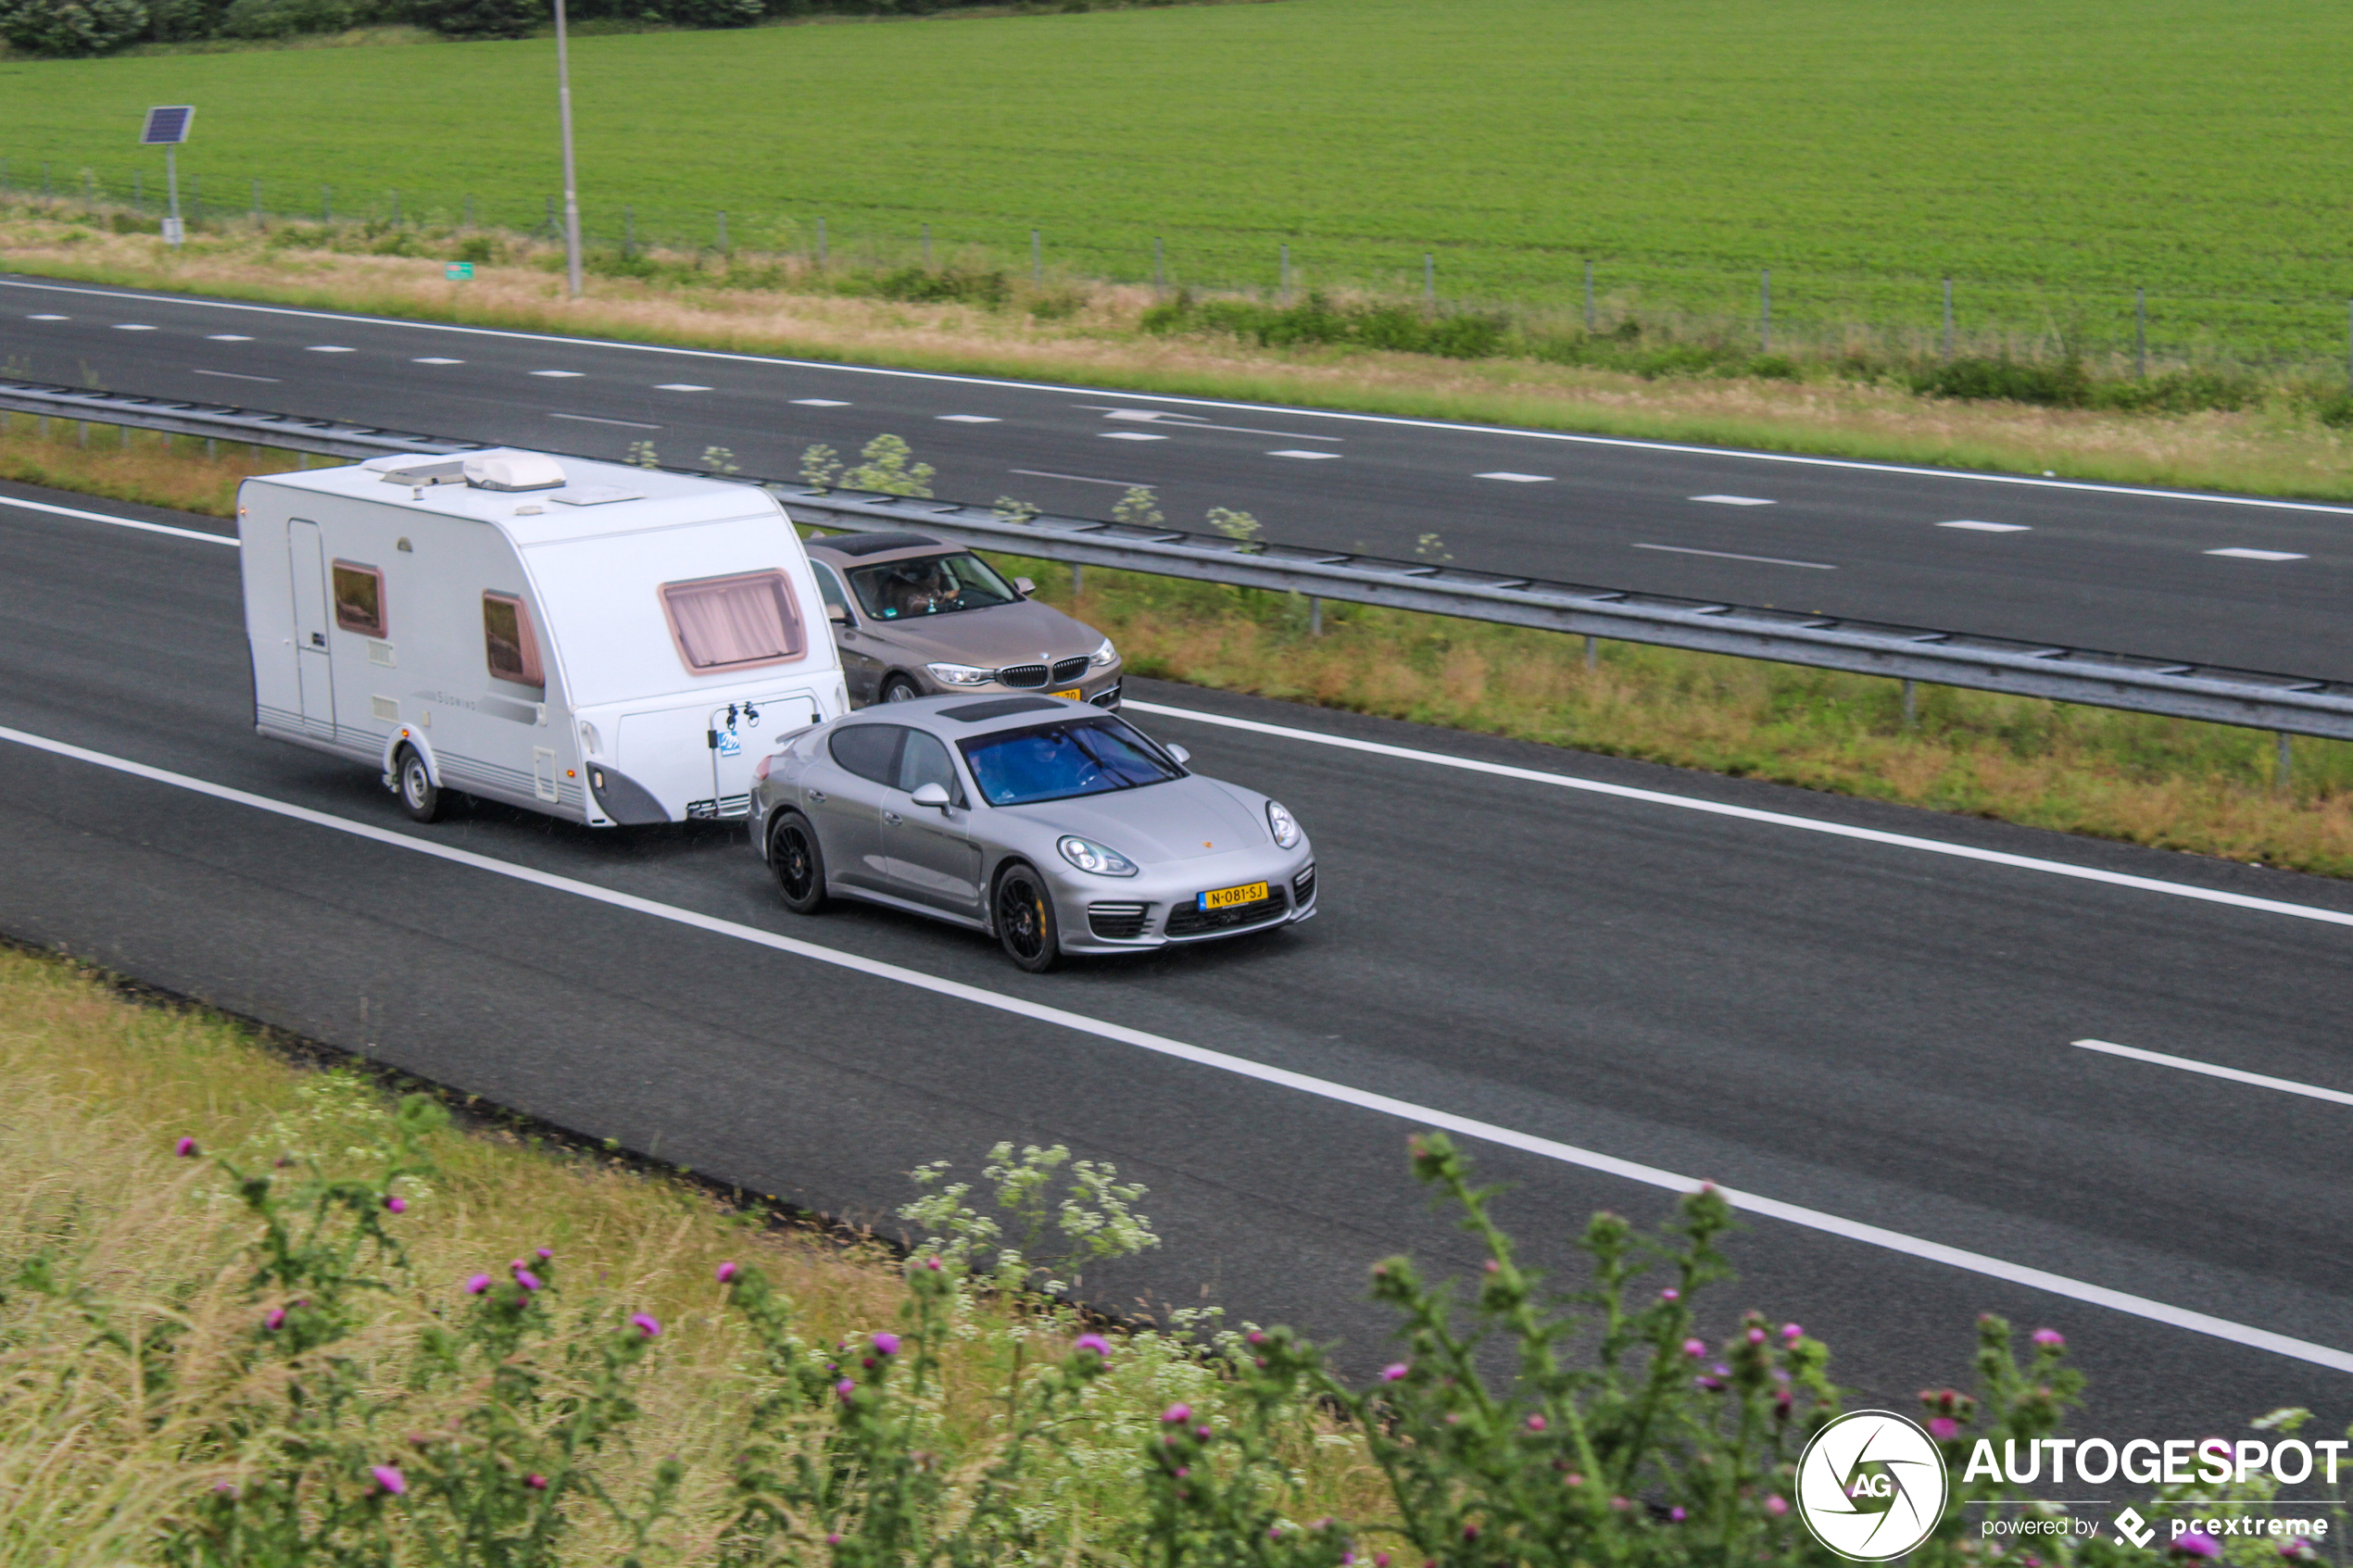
(167, 127)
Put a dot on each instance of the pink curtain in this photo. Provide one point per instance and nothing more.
(726, 621)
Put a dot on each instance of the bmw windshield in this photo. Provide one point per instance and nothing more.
(903, 590)
(1059, 761)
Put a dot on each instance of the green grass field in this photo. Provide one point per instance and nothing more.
(2051, 154)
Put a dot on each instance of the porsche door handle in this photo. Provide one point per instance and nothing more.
(893, 818)
(817, 796)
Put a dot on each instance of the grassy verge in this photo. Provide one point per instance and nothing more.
(2170, 783)
(94, 1208)
(1095, 334)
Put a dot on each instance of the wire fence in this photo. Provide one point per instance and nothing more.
(1777, 308)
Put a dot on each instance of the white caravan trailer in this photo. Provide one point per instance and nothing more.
(605, 644)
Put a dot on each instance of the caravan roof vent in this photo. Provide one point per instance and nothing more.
(514, 470)
(419, 469)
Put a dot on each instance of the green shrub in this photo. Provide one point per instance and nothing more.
(947, 284)
(72, 27)
(2063, 386)
(2178, 391)
(481, 19)
(1317, 319)
(283, 18)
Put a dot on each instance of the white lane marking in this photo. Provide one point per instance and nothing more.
(132, 327)
(1727, 555)
(1989, 527)
(1322, 1089)
(330, 348)
(1399, 420)
(134, 522)
(593, 419)
(226, 337)
(820, 402)
(48, 318)
(969, 419)
(1517, 477)
(2261, 1080)
(1313, 456)
(1129, 435)
(1081, 478)
(233, 375)
(1753, 814)
(680, 387)
(2235, 552)
(1194, 421)
(436, 361)
(560, 375)
(1737, 500)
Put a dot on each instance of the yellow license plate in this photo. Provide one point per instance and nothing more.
(1072, 694)
(1226, 898)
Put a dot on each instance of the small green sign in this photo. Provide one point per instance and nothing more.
(459, 271)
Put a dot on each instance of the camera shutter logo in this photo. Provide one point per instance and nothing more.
(1871, 1485)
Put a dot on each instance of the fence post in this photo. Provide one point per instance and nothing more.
(821, 244)
(1948, 318)
(2349, 346)
(257, 203)
(1036, 259)
(722, 230)
(1284, 292)
(196, 197)
(1589, 295)
(1159, 268)
(1766, 295)
(926, 247)
(396, 209)
(628, 233)
(469, 212)
(326, 204)
(138, 190)
(2141, 334)
(1430, 280)
(45, 192)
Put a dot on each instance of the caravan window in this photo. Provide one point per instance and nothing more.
(728, 622)
(509, 644)
(359, 598)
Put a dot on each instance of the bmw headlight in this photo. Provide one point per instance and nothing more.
(960, 674)
(1282, 824)
(1103, 658)
(1088, 856)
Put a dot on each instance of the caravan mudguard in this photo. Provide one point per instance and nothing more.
(409, 734)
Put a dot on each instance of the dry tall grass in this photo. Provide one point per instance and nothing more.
(93, 1462)
(1078, 330)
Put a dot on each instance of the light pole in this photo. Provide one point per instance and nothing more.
(572, 180)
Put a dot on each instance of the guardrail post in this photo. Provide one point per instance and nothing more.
(1314, 616)
(1077, 577)
(1592, 652)
(1911, 705)
(2283, 767)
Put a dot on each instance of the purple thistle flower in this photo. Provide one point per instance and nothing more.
(1943, 1428)
(1676, 1515)
(727, 1273)
(1775, 1506)
(1536, 1424)
(185, 1149)
(546, 1253)
(1695, 1348)
(1792, 1332)
(2052, 1339)
(1757, 1336)
(229, 1488)
(397, 1203)
(1395, 1371)
(535, 1482)
(477, 1285)
(932, 1264)
(276, 1320)
(845, 1388)
(1670, 1295)
(2198, 1543)
(887, 1343)
(645, 1323)
(391, 1480)
(526, 1278)
(1177, 1415)
(1094, 1342)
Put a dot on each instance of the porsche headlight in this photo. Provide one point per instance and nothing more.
(1088, 856)
(1103, 658)
(1284, 826)
(960, 674)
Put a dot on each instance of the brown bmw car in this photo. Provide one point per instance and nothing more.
(917, 618)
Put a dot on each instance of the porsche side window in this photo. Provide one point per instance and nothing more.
(871, 751)
(925, 760)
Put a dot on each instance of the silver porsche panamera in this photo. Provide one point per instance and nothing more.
(1047, 823)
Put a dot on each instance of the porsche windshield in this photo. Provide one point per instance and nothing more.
(903, 590)
(1058, 762)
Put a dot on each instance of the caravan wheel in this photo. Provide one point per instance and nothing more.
(414, 783)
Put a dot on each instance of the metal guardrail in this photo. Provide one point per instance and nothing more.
(2177, 688)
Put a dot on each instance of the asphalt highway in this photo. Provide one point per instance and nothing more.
(2227, 580)
(1860, 1011)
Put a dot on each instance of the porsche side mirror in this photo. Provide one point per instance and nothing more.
(1180, 753)
(1023, 586)
(932, 795)
(838, 614)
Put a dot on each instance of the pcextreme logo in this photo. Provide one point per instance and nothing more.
(1871, 1485)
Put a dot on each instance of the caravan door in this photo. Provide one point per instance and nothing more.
(314, 671)
(737, 733)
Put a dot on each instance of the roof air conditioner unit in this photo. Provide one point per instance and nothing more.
(514, 470)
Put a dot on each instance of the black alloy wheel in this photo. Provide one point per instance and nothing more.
(1025, 920)
(798, 865)
(412, 782)
(899, 689)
